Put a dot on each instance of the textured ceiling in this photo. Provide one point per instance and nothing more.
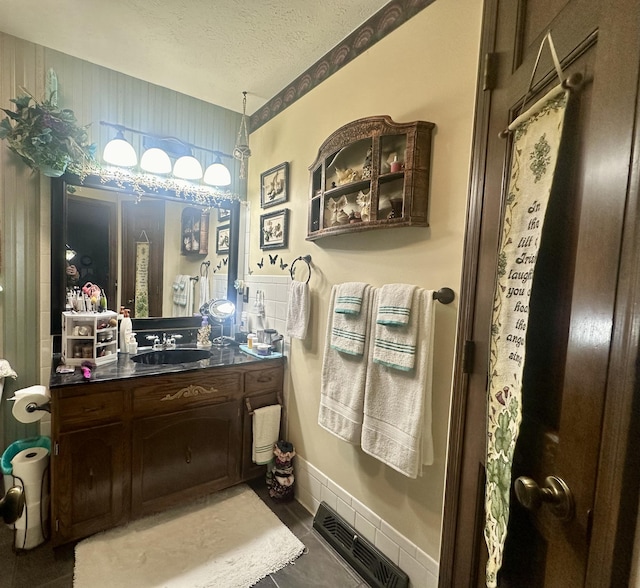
(210, 49)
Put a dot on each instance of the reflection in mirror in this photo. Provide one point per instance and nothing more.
(133, 247)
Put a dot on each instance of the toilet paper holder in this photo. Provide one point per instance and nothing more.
(33, 407)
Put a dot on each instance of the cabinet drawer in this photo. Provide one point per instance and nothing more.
(263, 379)
(98, 407)
(164, 395)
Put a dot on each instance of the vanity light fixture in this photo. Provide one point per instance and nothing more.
(119, 151)
(217, 174)
(155, 161)
(187, 167)
(156, 158)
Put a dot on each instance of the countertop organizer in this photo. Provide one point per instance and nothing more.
(89, 336)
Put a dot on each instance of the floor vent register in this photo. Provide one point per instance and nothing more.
(378, 570)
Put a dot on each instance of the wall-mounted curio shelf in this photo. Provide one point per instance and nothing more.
(371, 173)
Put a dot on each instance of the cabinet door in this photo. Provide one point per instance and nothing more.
(88, 482)
(185, 454)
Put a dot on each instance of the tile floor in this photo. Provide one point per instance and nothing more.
(321, 567)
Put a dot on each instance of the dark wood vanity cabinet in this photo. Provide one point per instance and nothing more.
(129, 448)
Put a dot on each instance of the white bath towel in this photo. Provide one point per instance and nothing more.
(394, 305)
(349, 297)
(298, 309)
(266, 432)
(343, 380)
(396, 427)
(395, 346)
(349, 330)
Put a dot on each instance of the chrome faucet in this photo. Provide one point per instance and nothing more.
(168, 342)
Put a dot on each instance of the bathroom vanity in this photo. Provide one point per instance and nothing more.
(140, 438)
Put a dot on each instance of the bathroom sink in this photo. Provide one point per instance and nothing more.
(171, 356)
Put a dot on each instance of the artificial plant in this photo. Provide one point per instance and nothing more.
(44, 136)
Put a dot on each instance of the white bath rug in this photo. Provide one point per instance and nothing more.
(227, 540)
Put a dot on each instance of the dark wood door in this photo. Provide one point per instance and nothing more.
(89, 481)
(140, 219)
(92, 233)
(184, 454)
(579, 350)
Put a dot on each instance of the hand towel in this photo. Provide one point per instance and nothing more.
(183, 295)
(342, 382)
(180, 290)
(349, 331)
(266, 432)
(396, 425)
(298, 308)
(395, 346)
(395, 304)
(204, 289)
(6, 371)
(349, 297)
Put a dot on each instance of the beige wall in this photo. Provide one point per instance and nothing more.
(425, 70)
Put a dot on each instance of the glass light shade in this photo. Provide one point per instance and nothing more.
(217, 175)
(120, 152)
(187, 168)
(155, 161)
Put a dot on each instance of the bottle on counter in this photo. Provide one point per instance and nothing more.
(126, 328)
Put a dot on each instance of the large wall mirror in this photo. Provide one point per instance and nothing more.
(101, 229)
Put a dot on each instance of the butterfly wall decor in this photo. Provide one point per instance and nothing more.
(273, 258)
(260, 263)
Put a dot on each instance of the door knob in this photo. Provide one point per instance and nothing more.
(556, 494)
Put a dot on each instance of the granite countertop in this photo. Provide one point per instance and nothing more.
(125, 367)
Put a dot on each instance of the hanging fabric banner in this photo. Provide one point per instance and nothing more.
(536, 143)
(142, 277)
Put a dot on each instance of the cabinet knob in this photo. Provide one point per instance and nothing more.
(187, 455)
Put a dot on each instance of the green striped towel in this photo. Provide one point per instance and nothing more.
(395, 346)
(349, 297)
(395, 304)
(349, 331)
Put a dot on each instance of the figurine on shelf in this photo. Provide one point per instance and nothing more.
(336, 214)
(364, 202)
(366, 166)
(354, 217)
(346, 176)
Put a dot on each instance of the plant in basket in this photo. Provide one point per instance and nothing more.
(44, 136)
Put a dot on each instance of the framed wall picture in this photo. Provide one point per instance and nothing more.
(274, 185)
(224, 214)
(222, 239)
(274, 229)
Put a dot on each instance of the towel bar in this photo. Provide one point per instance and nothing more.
(247, 402)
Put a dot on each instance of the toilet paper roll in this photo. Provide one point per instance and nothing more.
(31, 390)
(28, 469)
(20, 412)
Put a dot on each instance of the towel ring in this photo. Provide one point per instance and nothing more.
(307, 260)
